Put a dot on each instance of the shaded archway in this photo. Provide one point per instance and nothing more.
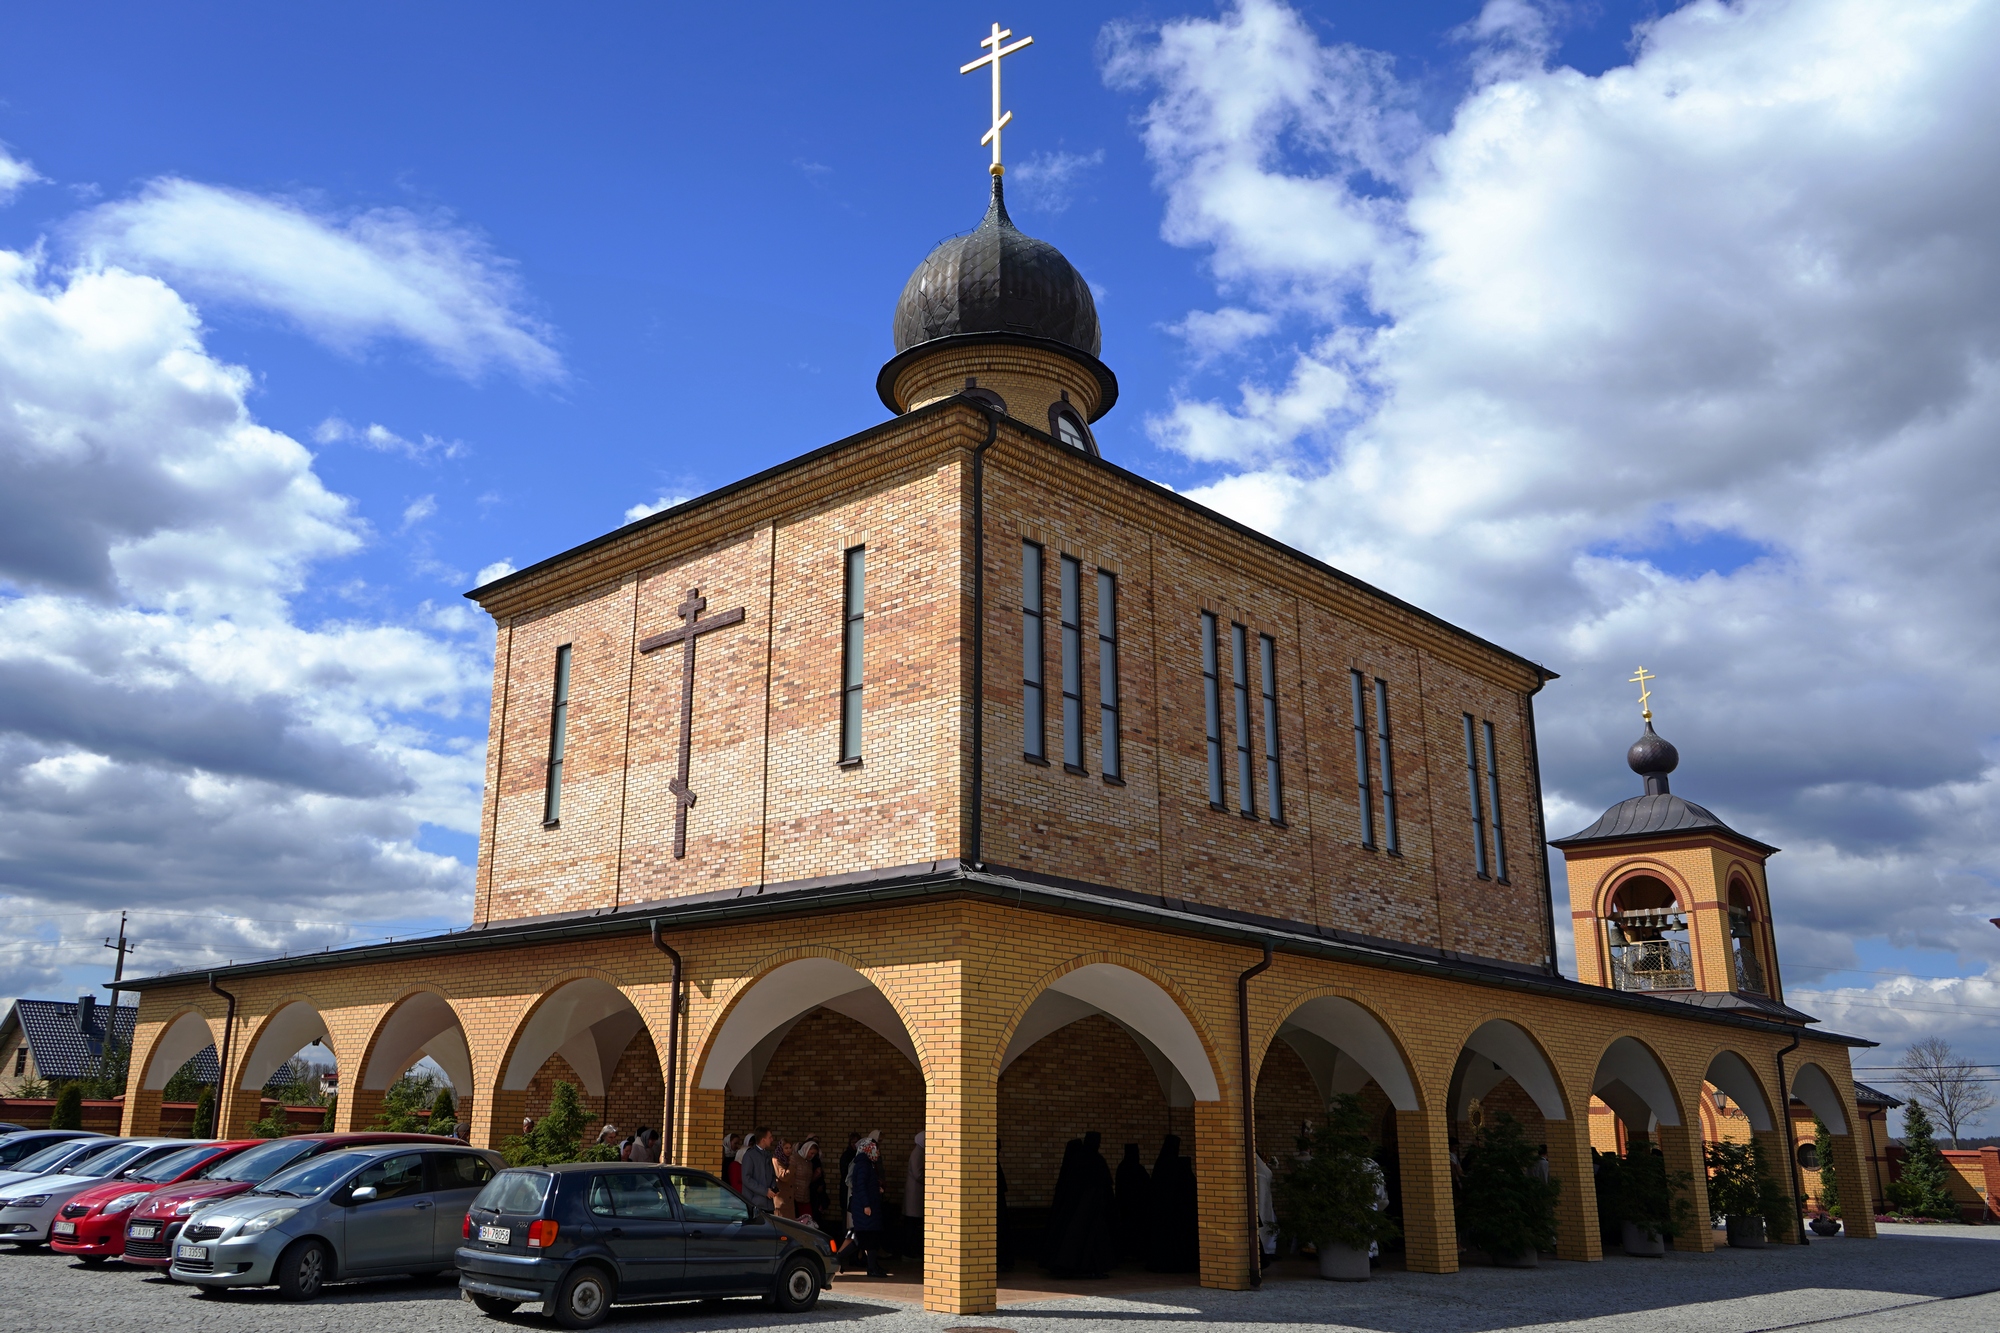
(186, 1037)
(1730, 1074)
(1632, 1082)
(422, 1026)
(584, 1032)
(286, 1032)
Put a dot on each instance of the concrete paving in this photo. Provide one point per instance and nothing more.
(1913, 1280)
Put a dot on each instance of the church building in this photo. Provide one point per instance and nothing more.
(952, 778)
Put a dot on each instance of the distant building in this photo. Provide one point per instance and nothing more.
(55, 1041)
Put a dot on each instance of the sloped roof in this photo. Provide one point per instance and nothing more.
(63, 1051)
(1868, 1096)
(1653, 815)
(1760, 1006)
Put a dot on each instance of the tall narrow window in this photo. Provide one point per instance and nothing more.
(1361, 787)
(1211, 695)
(1107, 673)
(1385, 761)
(1239, 667)
(1274, 785)
(850, 659)
(1034, 735)
(1072, 663)
(558, 723)
(1493, 803)
(1472, 789)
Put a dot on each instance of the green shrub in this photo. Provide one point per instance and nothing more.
(557, 1136)
(1652, 1198)
(1508, 1211)
(69, 1108)
(1740, 1184)
(1923, 1189)
(1829, 1183)
(444, 1111)
(1330, 1193)
(204, 1113)
(404, 1104)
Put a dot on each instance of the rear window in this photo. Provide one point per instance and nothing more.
(515, 1192)
(254, 1164)
(173, 1164)
(114, 1160)
(60, 1151)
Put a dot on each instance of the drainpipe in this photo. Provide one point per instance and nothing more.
(1541, 829)
(1785, 1132)
(222, 1062)
(1249, 1109)
(673, 1038)
(976, 833)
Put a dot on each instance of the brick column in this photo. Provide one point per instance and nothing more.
(142, 1113)
(700, 1126)
(961, 1143)
(236, 1112)
(1570, 1162)
(1227, 1244)
(495, 1115)
(1857, 1199)
(1430, 1223)
(1681, 1145)
(358, 1108)
(1778, 1160)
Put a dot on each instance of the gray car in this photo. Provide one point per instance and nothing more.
(363, 1212)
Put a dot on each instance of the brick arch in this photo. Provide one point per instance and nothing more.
(1395, 1048)
(253, 1053)
(1624, 1051)
(1216, 1069)
(1492, 1023)
(1748, 1075)
(372, 1048)
(550, 988)
(159, 1042)
(1634, 867)
(705, 1047)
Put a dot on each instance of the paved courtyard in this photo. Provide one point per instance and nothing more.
(1914, 1278)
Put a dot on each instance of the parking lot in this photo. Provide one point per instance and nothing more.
(1914, 1278)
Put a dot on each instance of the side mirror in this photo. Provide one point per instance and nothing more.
(361, 1194)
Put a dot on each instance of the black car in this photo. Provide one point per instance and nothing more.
(584, 1236)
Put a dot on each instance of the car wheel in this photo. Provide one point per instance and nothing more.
(584, 1298)
(303, 1269)
(798, 1286)
(496, 1306)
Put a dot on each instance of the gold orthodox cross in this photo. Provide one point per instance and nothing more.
(1645, 695)
(690, 612)
(992, 58)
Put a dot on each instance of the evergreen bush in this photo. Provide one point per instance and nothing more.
(1923, 1189)
(1829, 1183)
(444, 1111)
(1331, 1193)
(1652, 1198)
(69, 1108)
(557, 1136)
(405, 1101)
(204, 1113)
(1508, 1211)
(1740, 1183)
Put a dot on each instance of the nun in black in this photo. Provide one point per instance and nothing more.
(1135, 1193)
(1173, 1242)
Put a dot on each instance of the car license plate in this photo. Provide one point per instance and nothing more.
(191, 1252)
(498, 1235)
(65, 1228)
(144, 1231)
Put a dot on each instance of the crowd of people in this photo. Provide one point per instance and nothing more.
(795, 1180)
(1097, 1220)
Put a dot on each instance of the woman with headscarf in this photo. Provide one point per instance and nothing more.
(806, 1179)
(865, 1212)
(728, 1157)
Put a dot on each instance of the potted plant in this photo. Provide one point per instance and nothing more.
(1742, 1190)
(1651, 1205)
(1333, 1196)
(1509, 1212)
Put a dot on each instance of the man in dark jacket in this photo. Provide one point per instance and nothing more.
(865, 1212)
(759, 1177)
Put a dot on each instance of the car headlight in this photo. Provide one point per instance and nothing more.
(263, 1222)
(190, 1205)
(124, 1203)
(25, 1201)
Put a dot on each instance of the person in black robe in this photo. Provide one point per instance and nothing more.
(1085, 1243)
(1135, 1193)
(1174, 1237)
(1062, 1206)
(1003, 1227)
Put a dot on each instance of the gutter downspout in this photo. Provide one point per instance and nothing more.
(1542, 831)
(222, 1064)
(1249, 1110)
(673, 1039)
(1791, 1152)
(976, 834)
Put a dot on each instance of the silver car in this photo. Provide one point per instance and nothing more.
(65, 1155)
(30, 1206)
(387, 1208)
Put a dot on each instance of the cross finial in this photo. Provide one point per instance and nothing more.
(992, 57)
(1645, 695)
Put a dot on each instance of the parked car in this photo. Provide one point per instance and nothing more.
(156, 1223)
(58, 1156)
(9, 1127)
(92, 1225)
(585, 1236)
(31, 1206)
(394, 1208)
(21, 1143)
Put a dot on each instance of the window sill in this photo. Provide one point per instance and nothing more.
(1250, 815)
(1036, 760)
(551, 823)
(855, 762)
(1487, 878)
(1113, 780)
(1219, 809)
(1279, 823)
(1073, 768)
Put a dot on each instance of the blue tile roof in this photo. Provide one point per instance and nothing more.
(63, 1050)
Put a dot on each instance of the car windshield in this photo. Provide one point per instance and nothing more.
(309, 1180)
(115, 1160)
(514, 1192)
(170, 1166)
(259, 1163)
(57, 1152)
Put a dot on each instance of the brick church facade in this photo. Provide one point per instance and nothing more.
(951, 777)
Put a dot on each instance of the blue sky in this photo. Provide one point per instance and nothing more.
(1615, 332)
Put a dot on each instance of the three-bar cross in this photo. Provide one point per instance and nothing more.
(992, 58)
(690, 612)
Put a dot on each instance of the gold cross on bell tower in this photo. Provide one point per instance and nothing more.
(992, 57)
(1645, 695)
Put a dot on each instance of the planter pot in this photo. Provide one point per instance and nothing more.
(1825, 1226)
(1343, 1263)
(1748, 1233)
(1644, 1244)
(1525, 1259)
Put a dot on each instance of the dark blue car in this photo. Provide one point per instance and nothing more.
(581, 1237)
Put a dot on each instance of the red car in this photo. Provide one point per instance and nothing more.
(153, 1225)
(92, 1225)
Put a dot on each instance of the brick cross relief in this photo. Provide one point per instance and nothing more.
(695, 624)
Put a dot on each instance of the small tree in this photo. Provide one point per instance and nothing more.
(105, 1076)
(1331, 1195)
(1829, 1183)
(444, 1111)
(1946, 1085)
(1508, 1211)
(204, 1113)
(275, 1124)
(69, 1108)
(557, 1136)
(1740, 1183)
(1651, 1197)
(405, 1101)
(326, 1121)
(1923, 1190)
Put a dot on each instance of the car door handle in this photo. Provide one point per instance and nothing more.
(696, 1235)
(421, 1203)
(617, 1231)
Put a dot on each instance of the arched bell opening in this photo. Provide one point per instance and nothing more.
(1097, 1128)
(1646, 932)
(585, 1033)
(1747, 955)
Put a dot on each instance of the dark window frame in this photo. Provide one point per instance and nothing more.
(1493, 805)
(558, 739)
(1239, 688)
(1069, 618)
(1211, 626)
(1110, 742)
(1274, 778)
(853, 650)
(1034, 655)
(1364, 792)
(1385, 764)
(1472, 790)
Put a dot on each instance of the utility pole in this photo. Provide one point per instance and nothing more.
(118, 973)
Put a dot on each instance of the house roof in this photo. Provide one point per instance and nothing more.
(1868, 1096)
(63, 1050)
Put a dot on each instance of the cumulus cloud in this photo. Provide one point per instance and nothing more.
(387, 273)
(172, 739)
(499, 569)
(14, 174)
(1047, 182)
(1694, 363)
(639, 511)
(426, 447)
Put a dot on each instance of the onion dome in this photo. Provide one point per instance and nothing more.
(1653, 757)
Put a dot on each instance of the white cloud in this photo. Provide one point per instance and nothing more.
(335, 430)
(499, 569)
(387, 273)
(639, 511)
(1695, 362)
(419, 509)
(1046, 182)
(15, 174)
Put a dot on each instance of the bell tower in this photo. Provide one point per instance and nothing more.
(1668, 899)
